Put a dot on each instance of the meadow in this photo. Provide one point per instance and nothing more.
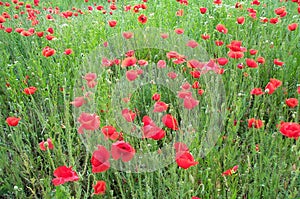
(150, 99)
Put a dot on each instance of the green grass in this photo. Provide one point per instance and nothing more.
(271, 172)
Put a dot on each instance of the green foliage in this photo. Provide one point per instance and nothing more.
(27, 172)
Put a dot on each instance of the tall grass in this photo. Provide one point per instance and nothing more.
(270, 172)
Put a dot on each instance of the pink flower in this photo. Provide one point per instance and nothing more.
(88, 122)
(100, 160)
(160, 106)
(161, 64)
(110, 132)
(190, 103)
(128, 115)
(122, 150)
(48, 144)
(150, 129)
(78, 102)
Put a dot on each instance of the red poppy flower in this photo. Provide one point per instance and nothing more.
(283, 14)
(192, 44)
(218, 2)
(236, 51)
(179, 31)
(195, 74)
(90, 77)
(273, 20)
(150, 130)
(180, 147)
(156, 97)
(190, 103)
(203, 10)
(30, 90)
(255, 2)
(142, 62)
(172, 54)
(99, 187)
(270, 88)
(240, 66)
(252, 51)
(278, 63)
(205, 36)
(196, 84)
(292, 26)
(179, 13)
(210, 66)
(219, 43)
(112, 23)
(129, 61)
(160, 106)
(12, 121)
(113, 6)
(110, 132)
(68, 51)
(100, 160)
(88, 122)
(298, 89)
(49, 37)
(185, 86)
(291, 102)
(36, 2)
(127, 35)
(251, 63)
(8, 30)
(277, 83)
(256, 123)
(26, 33)
(260, 60)
(290, 129)
(50, 30)
(256, 91)
(279, 11)
(185, 159)
(264, 20)
(131, 75)
(236, 46)
(161, 64)
(64, 174)
(47, 144)
(195, 64)
(130, 53)
(2, 19)
(231, 171)
(222, 61)
(221, 28)
(235, 54)
(142, 19)
(184, 93)
(240, 20)
(170, 122)
(47, 51)
(164, 35)
(122, 150)
(40, 34)
(195, 197)
(172, 75)
(128, 115)
(78, 102)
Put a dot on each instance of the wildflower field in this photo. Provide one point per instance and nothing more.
(150, 99)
